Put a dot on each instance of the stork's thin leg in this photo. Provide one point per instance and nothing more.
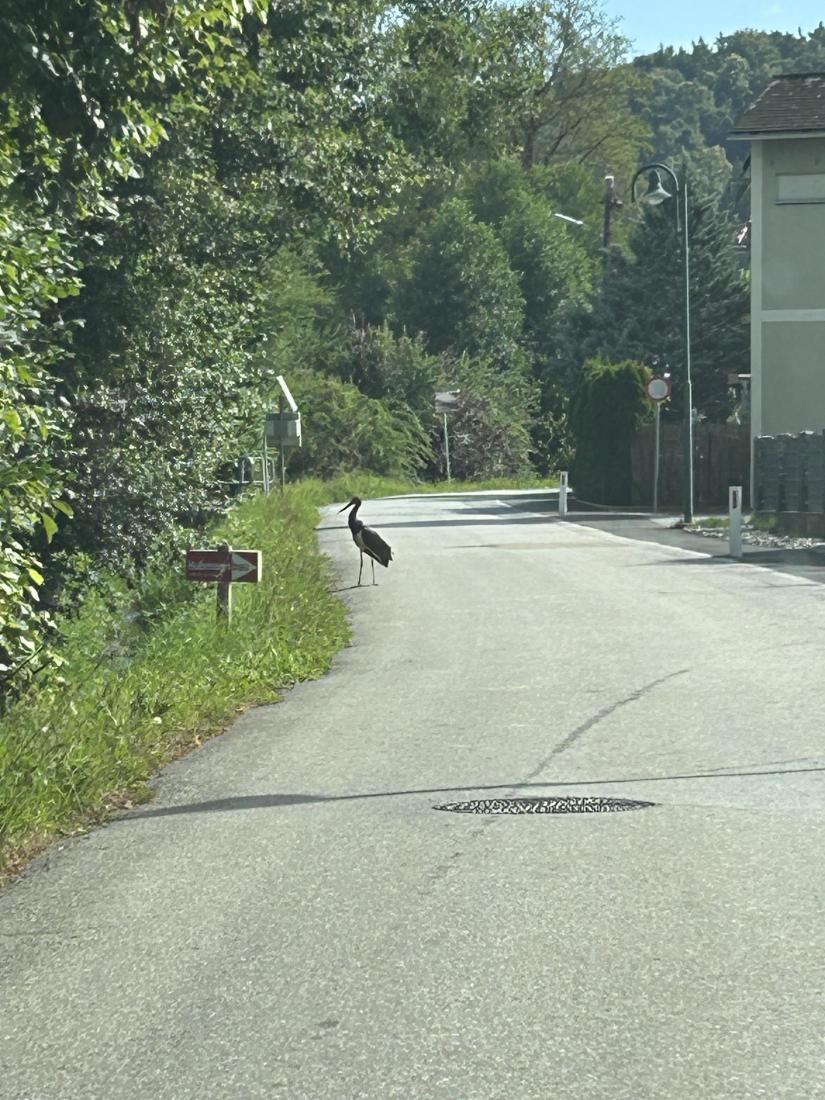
(362, 566)
(372, 563)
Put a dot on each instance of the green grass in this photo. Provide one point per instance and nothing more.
(146, 676)
(712, 521)
(764, 521)
(90, 734)
(371, 486)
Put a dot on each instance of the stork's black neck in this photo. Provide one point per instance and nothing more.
(355, 524)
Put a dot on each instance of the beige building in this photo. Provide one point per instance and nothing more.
(786, 129)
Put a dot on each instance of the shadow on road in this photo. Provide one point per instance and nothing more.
(270, 801)
(774, 557)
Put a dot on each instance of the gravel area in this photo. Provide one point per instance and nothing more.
(755, 537)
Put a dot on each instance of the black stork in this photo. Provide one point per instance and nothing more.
(369, 542)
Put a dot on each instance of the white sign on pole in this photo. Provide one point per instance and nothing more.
(284, 428)
(446, 401)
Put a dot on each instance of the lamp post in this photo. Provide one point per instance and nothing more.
(654, 196)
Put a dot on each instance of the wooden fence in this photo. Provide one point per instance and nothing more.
(721, 457)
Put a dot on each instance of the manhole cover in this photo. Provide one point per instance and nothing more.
(561, 805)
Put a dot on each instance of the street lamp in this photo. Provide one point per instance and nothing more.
(567, 218)
(655, 195)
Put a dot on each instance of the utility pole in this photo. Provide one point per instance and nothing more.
(611, 202)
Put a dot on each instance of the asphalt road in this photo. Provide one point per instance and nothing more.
(292, 918)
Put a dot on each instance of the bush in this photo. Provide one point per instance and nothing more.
(609, 406)
(343, 429)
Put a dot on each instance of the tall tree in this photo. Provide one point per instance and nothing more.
(638, 313)
(459, 289)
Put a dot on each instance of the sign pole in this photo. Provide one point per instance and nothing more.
(447, 446)
(563, 487)
(225, 593)
(283, 462)
(265, 467)
(656, 440)
(657, 389)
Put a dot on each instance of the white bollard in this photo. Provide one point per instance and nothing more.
(735, 510)
(563, 486)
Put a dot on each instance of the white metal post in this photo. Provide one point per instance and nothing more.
(281, 405)
(265, 466)
(447, 447)
(563, 486)
(735, 510)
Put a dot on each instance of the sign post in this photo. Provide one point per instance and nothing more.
(564, 485)
(265, 468)
(225, 594)
(658, 390)
(446, 401)
(224, 567)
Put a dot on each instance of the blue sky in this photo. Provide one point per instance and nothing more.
(651, 22)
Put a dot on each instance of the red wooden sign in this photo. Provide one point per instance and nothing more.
(223, 565)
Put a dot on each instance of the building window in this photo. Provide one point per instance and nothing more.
(803, 187)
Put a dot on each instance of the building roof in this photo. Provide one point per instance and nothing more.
(791, 104)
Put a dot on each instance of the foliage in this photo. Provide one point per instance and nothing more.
(692, 98)
(153, 161)
(639, 311)
(486, 441)
(345, 430)
(459, 289)
(608, 407)
(33, 277)
(383, 365)
(572, 90)
(548, 255)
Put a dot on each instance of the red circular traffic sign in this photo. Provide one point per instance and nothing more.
(658, 388)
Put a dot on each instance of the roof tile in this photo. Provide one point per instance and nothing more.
(790, 104)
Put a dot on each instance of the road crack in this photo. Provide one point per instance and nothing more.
(598, 717)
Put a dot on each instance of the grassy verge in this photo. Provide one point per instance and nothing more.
(369, 485)
(712, 522)
(142, 681)
(128, 700)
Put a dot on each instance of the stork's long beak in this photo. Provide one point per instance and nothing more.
(340, 510)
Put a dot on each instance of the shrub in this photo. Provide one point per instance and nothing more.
(607, 408)
(343, 429)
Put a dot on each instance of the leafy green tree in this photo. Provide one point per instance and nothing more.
(638, 313)
(571, 92)
(459, 289)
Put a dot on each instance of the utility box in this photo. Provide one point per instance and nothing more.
(284, 428)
